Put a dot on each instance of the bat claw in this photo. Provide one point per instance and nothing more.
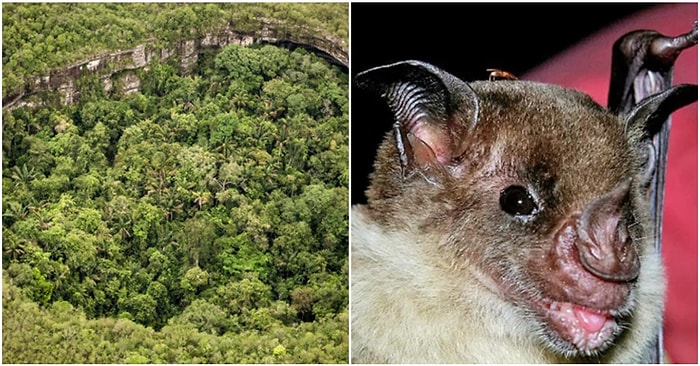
(667, 49)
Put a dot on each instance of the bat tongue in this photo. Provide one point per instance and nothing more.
(590, 320)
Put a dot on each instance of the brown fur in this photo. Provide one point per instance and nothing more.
(437, 265)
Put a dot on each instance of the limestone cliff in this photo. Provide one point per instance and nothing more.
(121, 64)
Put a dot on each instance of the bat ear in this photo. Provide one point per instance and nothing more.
(432, 109)
(651, 113)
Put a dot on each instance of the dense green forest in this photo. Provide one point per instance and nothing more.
(37, 38)
(203, 219)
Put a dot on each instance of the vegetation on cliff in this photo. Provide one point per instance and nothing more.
(38, 38)
(203, 219)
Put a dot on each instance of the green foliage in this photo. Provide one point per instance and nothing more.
(203, 333)
(38, 38)
(201, 220)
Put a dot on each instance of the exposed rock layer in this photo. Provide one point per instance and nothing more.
(123, 62)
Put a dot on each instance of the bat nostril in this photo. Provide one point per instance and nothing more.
(589, 251)
(603, 241)
(610, 257)
(618, 262)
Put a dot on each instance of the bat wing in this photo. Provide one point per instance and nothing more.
(641, 89)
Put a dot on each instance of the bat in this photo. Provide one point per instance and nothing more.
(509, 221)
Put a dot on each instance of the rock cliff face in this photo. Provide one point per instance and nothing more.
(121, 64)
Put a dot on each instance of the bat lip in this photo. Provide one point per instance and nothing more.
(566, 330)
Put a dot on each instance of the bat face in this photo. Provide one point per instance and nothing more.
(542, 199)
(531, 191)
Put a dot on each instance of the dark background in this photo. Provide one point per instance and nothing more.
(463, 39)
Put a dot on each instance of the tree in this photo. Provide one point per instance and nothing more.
(205, 317)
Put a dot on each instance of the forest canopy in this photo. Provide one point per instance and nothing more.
(202, 219)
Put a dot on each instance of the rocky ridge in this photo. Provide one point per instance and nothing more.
(118, 68)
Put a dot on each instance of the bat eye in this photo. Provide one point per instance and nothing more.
(516, 200)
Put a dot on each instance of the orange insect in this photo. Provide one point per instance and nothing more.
(496, 74)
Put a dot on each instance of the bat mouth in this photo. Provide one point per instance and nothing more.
(577, 330)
